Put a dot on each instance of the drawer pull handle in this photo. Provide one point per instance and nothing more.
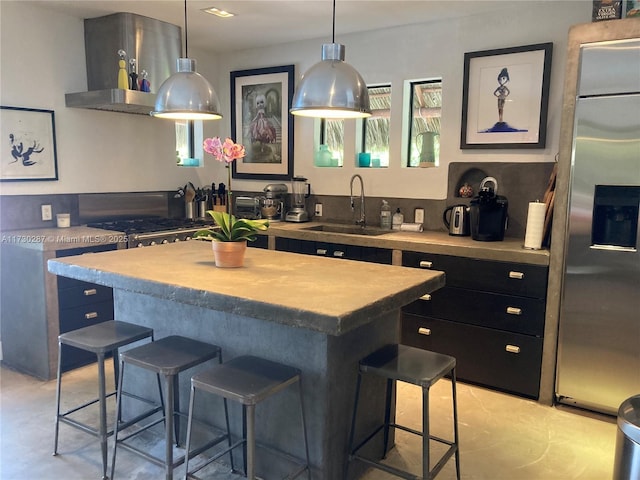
(90, 315)
(90, 291)
(516, 275)
(514, 311)
(424, 331)
(426, 264)
(426, 297)
(338, 253)
(321, 251)
(512, 349)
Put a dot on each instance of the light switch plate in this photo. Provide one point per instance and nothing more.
(418, 216)
(46, 213)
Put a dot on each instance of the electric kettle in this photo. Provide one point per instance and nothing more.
(458, 222)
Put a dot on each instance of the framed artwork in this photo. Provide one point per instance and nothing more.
(260, 120)
(505, 97)
(28, 139)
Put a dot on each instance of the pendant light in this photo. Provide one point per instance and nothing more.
(331, 88)
(187, 95)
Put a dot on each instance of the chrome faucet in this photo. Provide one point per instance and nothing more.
(362, 221)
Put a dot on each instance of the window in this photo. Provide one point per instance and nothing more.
(332, 135)
(375, 129)
(184, 143)
(189, 138)
(424, 121)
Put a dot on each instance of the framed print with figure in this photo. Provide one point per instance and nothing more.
(505, 97)
(28, 144)
(260, 120)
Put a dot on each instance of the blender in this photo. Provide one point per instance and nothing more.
(272, 204)
(301, 190)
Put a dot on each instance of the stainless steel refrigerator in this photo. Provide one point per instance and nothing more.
(599, 336)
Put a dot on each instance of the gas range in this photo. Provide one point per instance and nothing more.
(143, 232)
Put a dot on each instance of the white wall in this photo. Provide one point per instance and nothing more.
(103, 151)
(42, 59)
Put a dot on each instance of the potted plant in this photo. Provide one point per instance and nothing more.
(229, 240)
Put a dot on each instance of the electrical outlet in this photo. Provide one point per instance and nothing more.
(318, 211)
(46, 213)
(418, 216)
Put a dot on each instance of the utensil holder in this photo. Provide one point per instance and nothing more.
(190, 210)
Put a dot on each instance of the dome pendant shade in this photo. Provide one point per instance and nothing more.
(331, 88)
(187, 95)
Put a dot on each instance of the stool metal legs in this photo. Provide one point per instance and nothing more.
(230, 381)
(249, 430)
(164, 406)
(189, 453)
(427, 473)
(102, 433)
(103, 413)
(425, 433)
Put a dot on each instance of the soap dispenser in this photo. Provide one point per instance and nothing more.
(397, 220)
(385, 216)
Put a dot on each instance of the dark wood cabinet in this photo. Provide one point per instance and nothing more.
(261, 241)
(335, 250)
(490, 316)
(81, 304)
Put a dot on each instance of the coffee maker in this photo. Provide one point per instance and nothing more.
(301, 190)
(488, 213)
(272, 205)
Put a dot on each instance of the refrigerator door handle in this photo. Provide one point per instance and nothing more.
(613, 248)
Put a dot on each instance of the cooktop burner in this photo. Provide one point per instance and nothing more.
(148, 225)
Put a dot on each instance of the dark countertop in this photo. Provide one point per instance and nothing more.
(332, 296)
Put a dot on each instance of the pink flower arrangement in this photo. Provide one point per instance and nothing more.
(224, 152)
(227, 152)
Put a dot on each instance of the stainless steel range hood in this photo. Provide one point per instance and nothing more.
(113, 100)
(154, 44)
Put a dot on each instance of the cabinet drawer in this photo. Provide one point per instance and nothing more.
(377, 255)
(501, 360)
(261, 241)
(505, 312)
(83, 294)
(85, 315)
(499, 277)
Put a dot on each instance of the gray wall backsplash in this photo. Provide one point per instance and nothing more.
(521, 183)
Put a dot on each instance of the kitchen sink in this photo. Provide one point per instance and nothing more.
(347, 229)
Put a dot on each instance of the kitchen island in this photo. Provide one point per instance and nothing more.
(318, 314)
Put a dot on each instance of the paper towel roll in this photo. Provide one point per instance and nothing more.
(411, 227)
(535, 225)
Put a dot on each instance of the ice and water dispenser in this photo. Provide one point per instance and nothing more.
(615, 217)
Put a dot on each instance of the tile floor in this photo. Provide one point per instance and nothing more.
(502, 437)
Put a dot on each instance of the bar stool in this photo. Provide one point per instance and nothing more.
(100, 339)
(248, 380)
(166, 357)
(419, 367)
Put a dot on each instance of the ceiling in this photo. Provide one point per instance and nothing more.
(266, 22)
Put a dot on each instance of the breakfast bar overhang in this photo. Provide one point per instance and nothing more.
(321, 315)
